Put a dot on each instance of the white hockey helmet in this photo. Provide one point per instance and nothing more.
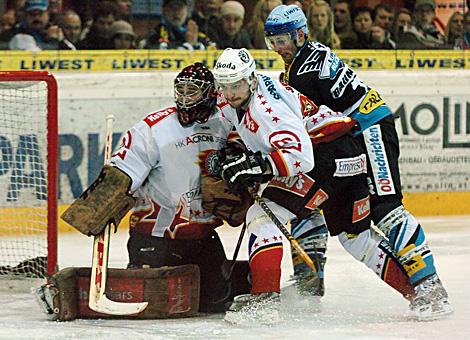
(234, 65)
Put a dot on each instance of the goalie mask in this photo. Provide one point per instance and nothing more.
(195, 94)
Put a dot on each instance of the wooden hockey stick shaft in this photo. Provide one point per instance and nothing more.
(284, 231)
(97, 299)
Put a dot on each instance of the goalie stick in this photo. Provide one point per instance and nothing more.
(97, 299)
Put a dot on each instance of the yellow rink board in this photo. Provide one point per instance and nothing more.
(420, 204)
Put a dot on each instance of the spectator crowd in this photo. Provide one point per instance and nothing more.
(35, 25)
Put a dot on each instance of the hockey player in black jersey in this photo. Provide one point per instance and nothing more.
(314, 70)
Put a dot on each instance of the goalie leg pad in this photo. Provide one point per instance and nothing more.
(171, 292)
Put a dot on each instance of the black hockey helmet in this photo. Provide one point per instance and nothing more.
(195, 94)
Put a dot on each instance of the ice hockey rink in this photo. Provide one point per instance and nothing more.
(357, 305)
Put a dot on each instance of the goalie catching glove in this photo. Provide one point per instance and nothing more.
(244, 170)
(107, 200)
(220, 201)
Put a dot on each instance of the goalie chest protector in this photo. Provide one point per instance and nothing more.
(171, 292)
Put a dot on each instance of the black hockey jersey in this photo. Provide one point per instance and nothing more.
(326, 80)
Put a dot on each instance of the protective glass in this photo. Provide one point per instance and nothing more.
(278, 41)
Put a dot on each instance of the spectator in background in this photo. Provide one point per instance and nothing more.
(466, 31)
(300, 4)
(71, 26)
(123, 9)
(7, 21)
(454, 31)
(175, 31)
(369, 36)
(403, 19)
(36, 25)
(123, 35)
(98, 37)
(321, 24)
(55, 9)
(206, 14)
(425, 17)
(343, 23)
(229, 32)
(255, 27)
(384, 16)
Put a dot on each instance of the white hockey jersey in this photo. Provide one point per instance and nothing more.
(164, 161)
(273, 124)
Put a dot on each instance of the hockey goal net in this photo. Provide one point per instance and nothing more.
(28, 174)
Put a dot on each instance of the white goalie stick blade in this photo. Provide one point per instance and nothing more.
(107, 306)
(97, 299)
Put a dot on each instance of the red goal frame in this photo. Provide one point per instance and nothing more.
(52, 154)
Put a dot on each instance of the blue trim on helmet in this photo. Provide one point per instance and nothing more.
(285, 19)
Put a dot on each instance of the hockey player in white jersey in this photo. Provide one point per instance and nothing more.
(269, 118)
(164, 156)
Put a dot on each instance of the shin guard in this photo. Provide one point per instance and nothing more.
(377, 254)
(409, 243)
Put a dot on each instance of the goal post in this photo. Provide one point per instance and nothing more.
(28, 174)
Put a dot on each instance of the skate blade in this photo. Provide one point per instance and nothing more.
(431, 315)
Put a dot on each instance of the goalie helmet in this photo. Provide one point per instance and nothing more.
(195, 94)
(234, 65)
(286, 19)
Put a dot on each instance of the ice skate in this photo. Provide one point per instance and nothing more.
(254, 308)
(431, 301)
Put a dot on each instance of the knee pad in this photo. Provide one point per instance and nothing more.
(363, 247)
(392, 219)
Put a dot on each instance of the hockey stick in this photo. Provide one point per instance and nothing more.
(97, 299)
(284, 231)
(237, 249)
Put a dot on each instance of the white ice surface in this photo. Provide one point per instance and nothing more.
(357, 304)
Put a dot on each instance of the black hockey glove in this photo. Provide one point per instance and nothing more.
(244, 170)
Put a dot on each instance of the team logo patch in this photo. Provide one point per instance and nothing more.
(308, 107)
(372, 101)
(361, 209)
(317, 199)
(244, 56)
(351, 166)
(285, 140)
(298, 185)
(209, 162)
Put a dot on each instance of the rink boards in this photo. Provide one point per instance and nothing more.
(434, 128)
